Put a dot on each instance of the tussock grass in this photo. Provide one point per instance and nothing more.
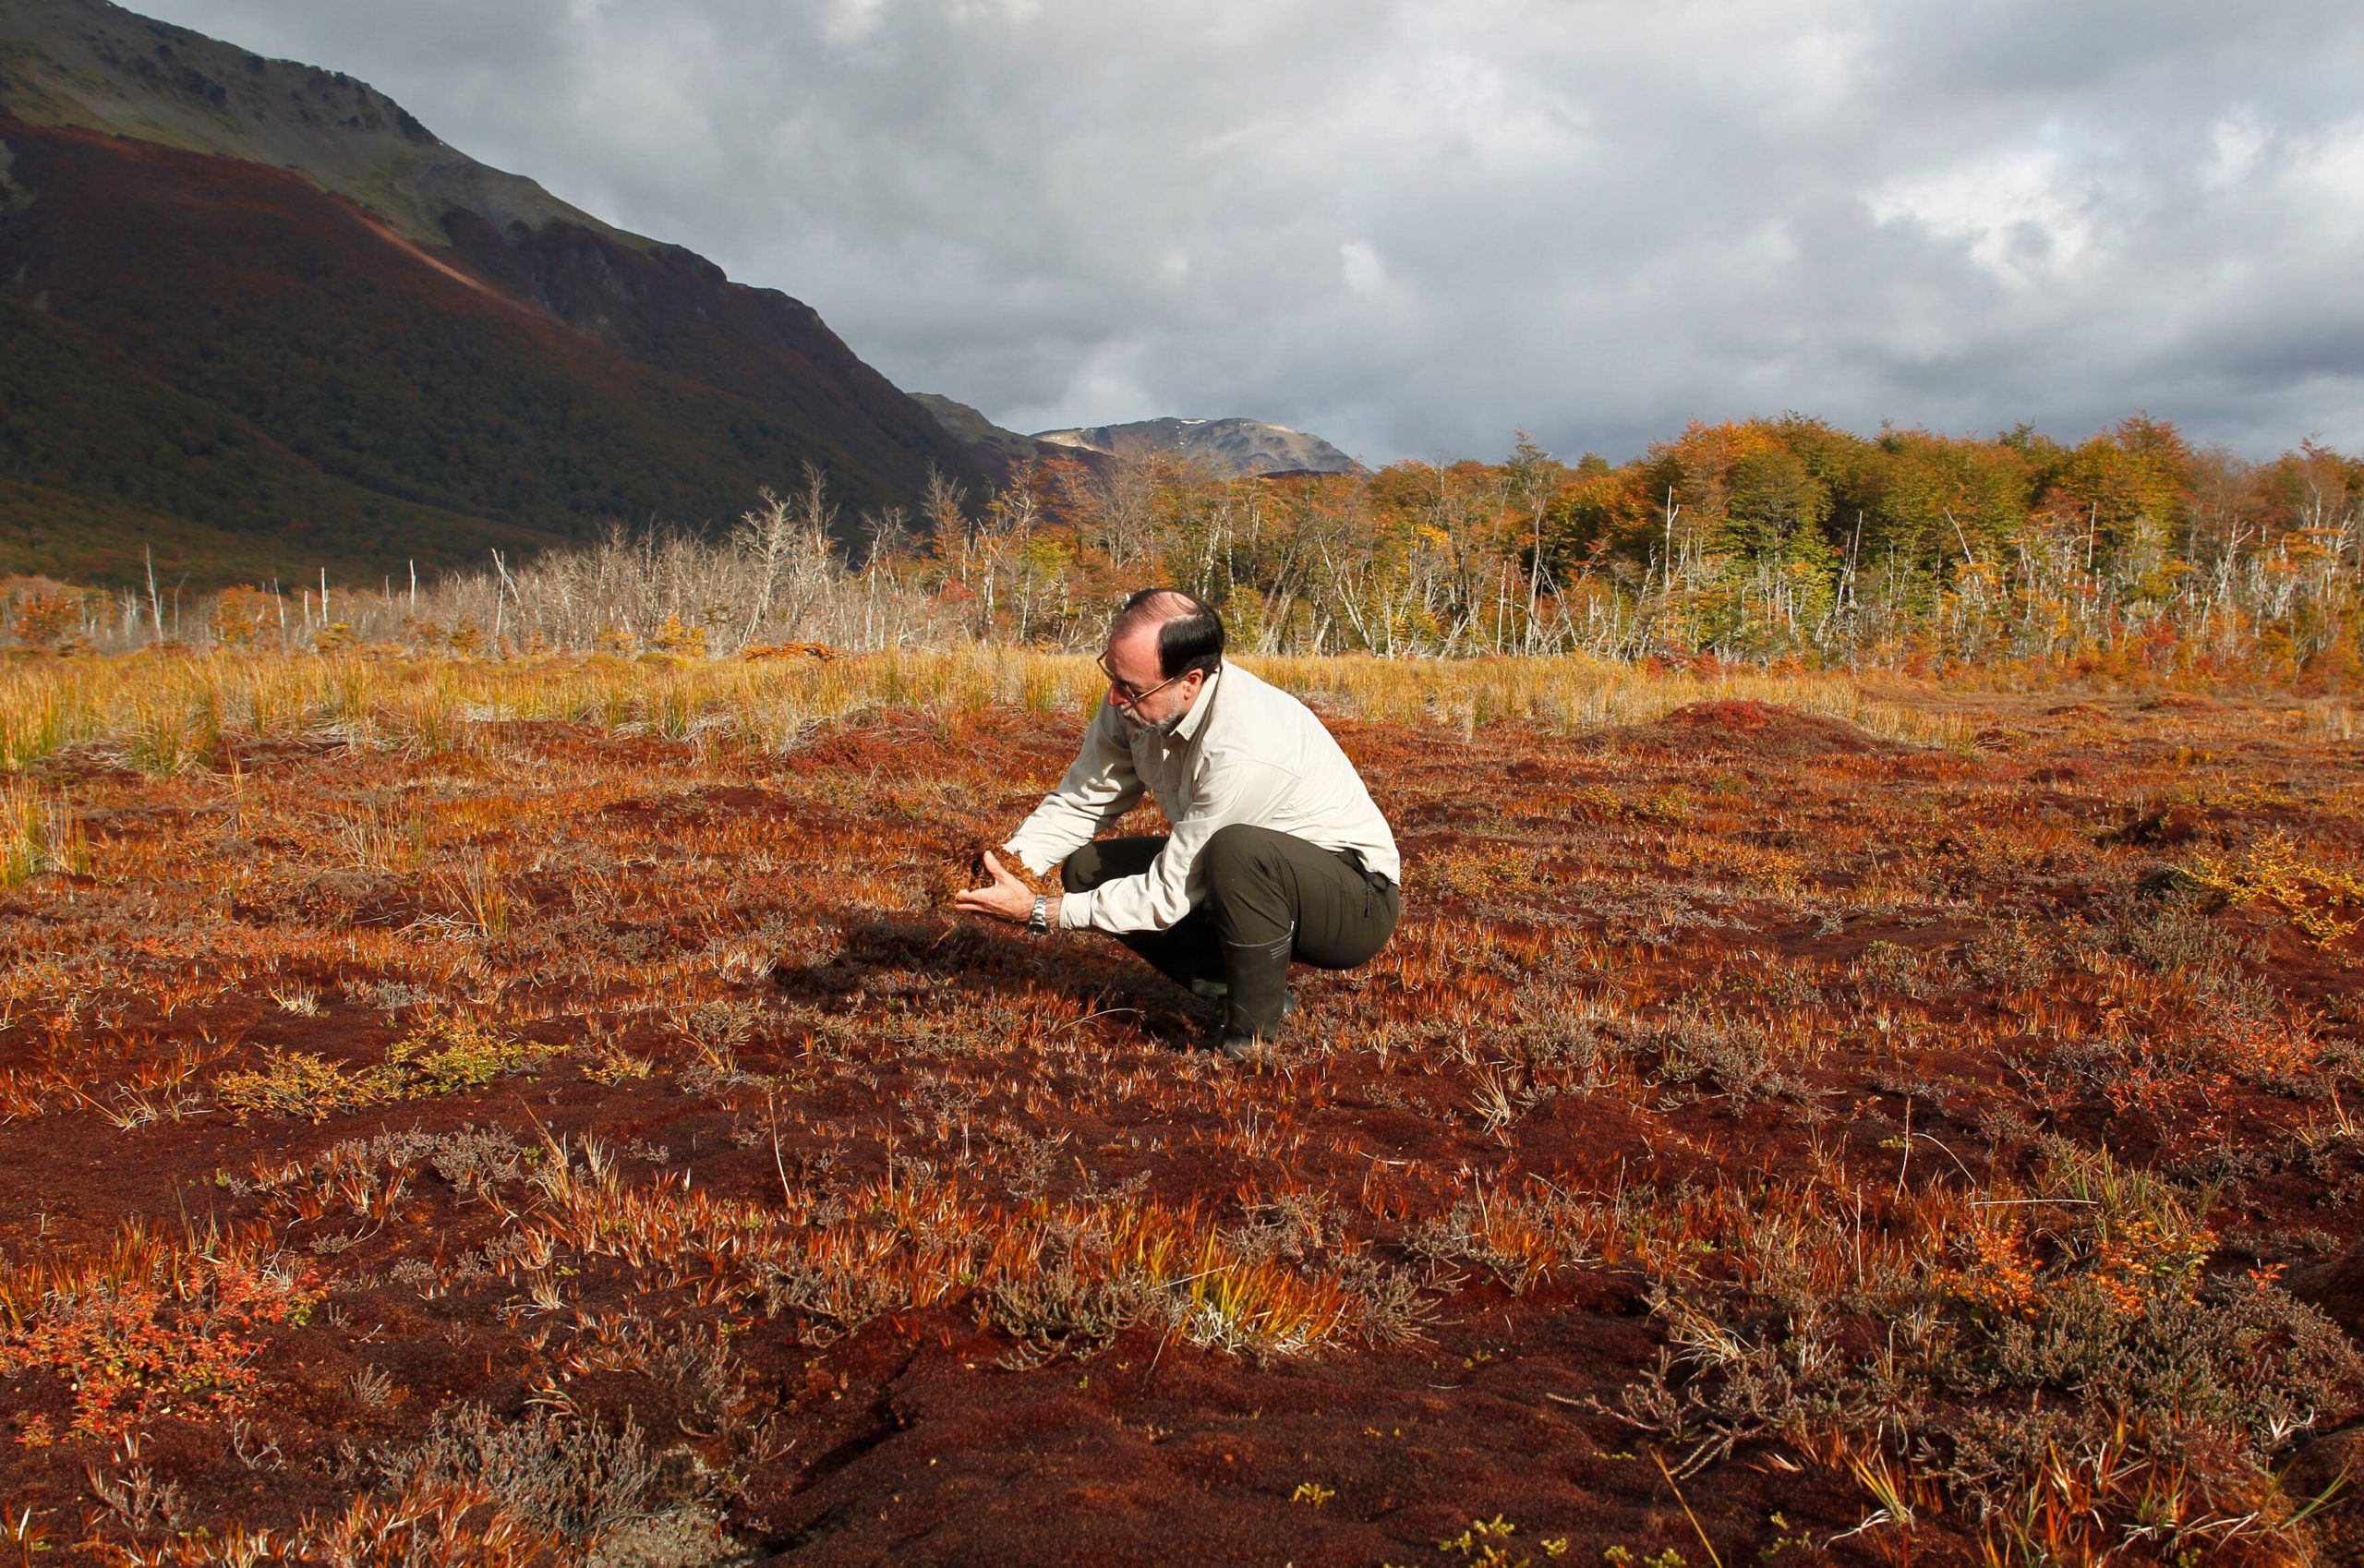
(1573, 693)
(39, 832)
(165, 715)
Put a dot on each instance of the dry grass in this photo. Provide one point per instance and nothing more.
(164, 713)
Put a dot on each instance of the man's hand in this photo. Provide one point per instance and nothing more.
(1004, 896)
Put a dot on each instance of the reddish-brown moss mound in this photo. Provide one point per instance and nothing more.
(1760, 729)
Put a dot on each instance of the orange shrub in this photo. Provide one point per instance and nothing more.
(45, 618)
(149, 1331)
(241, 615)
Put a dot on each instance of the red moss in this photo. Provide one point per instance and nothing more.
(1696, 977)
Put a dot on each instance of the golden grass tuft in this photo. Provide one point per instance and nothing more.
(40, 833)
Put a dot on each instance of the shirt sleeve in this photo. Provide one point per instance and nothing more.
(1236, 790)
(1099, 786)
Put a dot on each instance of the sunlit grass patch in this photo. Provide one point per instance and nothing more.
(1519, 1237)
(1260, 1306)
(167, 714)
(40, 833)
(478, 883)
(1215, 1296)
(37, 717)
(427, 1524)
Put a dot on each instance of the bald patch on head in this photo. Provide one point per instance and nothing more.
(1153, 609)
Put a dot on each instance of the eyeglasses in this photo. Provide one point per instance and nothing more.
(1122, 689)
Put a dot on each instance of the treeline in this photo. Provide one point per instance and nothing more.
(1765, 541)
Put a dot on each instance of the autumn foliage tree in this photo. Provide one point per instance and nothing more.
(1781, 539)
(46, 617)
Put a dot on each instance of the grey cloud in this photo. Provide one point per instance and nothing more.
(1413, 227)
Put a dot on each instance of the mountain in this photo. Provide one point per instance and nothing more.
(254, 316)
(96, 67)
(999, 451)
(980, 435)
(1229, 446)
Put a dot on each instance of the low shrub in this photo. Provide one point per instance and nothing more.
(573, 1478)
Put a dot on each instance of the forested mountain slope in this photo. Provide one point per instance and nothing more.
(385, 351)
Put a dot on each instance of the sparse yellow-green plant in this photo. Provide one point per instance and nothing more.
(1487, 1543)
(2304, 888)
(441, 1056)
(293, 1083)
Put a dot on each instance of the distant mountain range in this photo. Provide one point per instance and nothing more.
(257, 316)
(1227, 448)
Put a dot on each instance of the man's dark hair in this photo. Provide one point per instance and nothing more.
(1189, 635)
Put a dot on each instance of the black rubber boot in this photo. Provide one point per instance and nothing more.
(1234, 1045)
(1257, 976)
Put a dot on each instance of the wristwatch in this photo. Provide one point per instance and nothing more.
(1039, 922)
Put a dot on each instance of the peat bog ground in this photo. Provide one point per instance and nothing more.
(1765, 1139)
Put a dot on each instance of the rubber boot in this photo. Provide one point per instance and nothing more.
(1219, 1033)
(1257, 975)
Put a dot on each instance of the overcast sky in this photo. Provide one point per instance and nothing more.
(1413, 226)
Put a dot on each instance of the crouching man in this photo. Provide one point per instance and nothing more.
(1277, 850)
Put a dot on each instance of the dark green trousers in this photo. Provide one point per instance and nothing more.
(1269, 898)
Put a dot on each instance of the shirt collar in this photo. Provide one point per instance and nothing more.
(1196, 717)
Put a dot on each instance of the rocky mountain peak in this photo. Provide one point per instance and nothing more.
(1230, 446)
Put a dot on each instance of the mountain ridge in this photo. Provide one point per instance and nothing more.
(515, 367)
(1232, 446)
(63, 63)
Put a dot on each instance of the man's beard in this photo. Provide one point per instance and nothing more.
(1162, 729)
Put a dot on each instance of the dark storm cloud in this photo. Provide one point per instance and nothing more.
(1413, 227)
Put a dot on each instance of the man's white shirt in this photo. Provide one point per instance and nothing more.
(1247, 752)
